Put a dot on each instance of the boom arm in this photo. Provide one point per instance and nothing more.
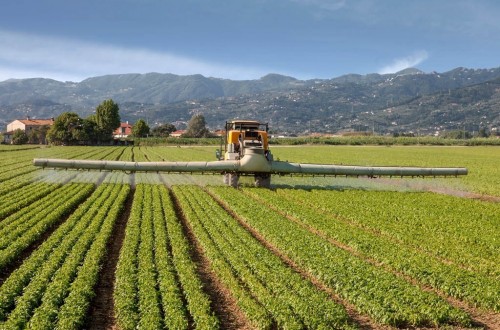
(250, 164)
(371, 171)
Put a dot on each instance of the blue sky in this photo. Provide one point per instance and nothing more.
(73, 40)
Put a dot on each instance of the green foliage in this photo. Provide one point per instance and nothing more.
(155, 249)
(140, 129)
(19, 137)
(107, 118)
(197, 127)
(333, 213)
(384, 253)
(54, 286)
(23, 227)
(70, 129)
(457, 134)
(387, 298)
(163, 130)
(253, 273)
(65, 130)
(38, 135)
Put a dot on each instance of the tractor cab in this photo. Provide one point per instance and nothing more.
(245, 137)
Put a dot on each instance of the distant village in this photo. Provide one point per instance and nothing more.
(29, 125)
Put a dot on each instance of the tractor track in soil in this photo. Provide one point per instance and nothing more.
(101, 314)
(484, 320)
(364, 322)
(223, 303)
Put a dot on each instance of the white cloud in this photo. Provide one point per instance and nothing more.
(26, 55)
(406, 62)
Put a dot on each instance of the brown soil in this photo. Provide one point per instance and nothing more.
(224, 304)
(101, 314)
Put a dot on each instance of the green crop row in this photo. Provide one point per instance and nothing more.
(239, 258)
(76, 305)
(477, 289)
(55, 284)
(15, 171)
(16, 200)
(11, 185)
(24, 230)
(387, 298)
(14, 225)
(155, 275)
(459, 230)
(198, 303)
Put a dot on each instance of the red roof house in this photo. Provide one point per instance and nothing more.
(123, 131)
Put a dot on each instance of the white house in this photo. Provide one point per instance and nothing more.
(26, 125)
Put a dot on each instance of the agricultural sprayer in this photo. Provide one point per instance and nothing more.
(245, 152)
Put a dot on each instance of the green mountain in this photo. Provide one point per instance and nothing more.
(410, 100)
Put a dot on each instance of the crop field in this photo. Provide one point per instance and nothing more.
(114, 250)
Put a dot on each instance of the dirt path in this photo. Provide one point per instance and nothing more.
(101, 314)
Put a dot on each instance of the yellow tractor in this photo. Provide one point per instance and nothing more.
(246, 152)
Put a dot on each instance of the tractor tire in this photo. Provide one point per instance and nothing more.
(233, 180)
(263, 180)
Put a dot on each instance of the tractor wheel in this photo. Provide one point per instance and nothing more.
(263, 180)
(233, 180)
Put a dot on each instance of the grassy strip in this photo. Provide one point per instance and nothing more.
(126, 293)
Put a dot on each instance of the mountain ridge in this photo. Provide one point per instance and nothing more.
(292, 105)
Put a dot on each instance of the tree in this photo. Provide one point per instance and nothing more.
(66, 129)
(19, 137)
(456, 134)
(140, 128)
(38, 135)
(163, 130)
(483, 132)
(107, 118)
(88, 132)
(197, 127)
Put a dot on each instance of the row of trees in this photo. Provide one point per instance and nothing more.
(71, 129)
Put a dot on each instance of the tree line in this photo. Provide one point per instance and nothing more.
(70, 129)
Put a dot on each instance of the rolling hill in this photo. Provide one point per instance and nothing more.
(410, 100)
